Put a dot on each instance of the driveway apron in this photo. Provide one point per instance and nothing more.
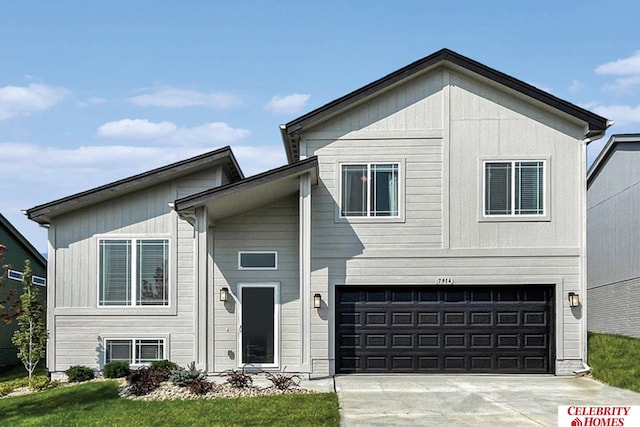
(467, 400)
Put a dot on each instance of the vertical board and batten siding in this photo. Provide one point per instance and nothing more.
(272, 228)
(440, 126)
(80, 325)
(613, 208)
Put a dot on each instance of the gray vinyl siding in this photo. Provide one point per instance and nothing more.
(272, 228)
(613, 229)
(440, 126)
(613, 308)
(77, 325)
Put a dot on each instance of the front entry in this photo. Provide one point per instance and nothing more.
(259, 313)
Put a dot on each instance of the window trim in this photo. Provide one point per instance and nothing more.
(133, 339)
(241, 267)
(133, 240)
(546, 194)
(368, 162)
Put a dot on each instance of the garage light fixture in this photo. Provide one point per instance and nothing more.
(317, 301)
(574, 300)
(224, 294)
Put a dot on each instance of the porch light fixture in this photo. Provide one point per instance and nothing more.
(574, 300)
(317, 301)
(224, 294)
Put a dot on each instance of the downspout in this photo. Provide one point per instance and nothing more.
(586, 369)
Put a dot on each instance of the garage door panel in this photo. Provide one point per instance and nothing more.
(431, 329)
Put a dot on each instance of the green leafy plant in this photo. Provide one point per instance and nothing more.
(238, 379)
(283, 382)
(183, 377)
(116, 369)
(6, 388)
(200, 387)
(163, 365)
(144, 380)
(31, 336)
(42, 382)
(79, 373)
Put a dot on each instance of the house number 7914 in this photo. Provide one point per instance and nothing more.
(445, 281)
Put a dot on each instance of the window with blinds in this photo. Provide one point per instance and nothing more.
(514, 188)
(135, 351)
(369, 190)
(133, 272)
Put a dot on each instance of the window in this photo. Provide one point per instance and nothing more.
(254, 260)
(134, 351)
(514, 188)
(369, 190)
(133, 272)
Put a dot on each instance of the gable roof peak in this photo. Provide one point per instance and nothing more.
(596, 124)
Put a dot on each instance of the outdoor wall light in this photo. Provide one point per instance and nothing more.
(224, 294)
(574, 300)
(317, 301)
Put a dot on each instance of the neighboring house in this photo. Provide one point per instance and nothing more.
(18, 250)
(613, 224)
(431, 221)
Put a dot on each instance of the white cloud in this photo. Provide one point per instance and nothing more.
(94, 100)
(628, 68)
(256, 159)
(136, 129)
(209, 134)
(289, 104)
(24, 100)
(575, 86)
(623, 84)
(623, 115)
(180, 98)
(621, 67)
(541, 87)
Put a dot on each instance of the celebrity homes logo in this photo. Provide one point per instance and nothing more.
(598, 416)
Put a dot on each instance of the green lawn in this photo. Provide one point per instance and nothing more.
(615, 360)
(98, 404)
(18, 371)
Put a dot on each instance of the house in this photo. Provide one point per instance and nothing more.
(432, 221)
(18, 250)
(613, 233)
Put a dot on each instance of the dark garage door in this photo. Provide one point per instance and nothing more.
(444, 329)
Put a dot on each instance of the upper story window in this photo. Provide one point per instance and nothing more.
(134, 272)
(514, 188)
(369, 190)
(257, 260)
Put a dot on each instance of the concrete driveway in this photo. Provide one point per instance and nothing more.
(467, 400)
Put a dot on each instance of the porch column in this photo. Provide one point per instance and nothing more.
(200, 287)
(304, 216)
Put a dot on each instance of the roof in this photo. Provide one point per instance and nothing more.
(250, 193)
(606, 152)
(25, 243)
(290, 131)
(42, 214)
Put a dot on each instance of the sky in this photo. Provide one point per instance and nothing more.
(95, 91)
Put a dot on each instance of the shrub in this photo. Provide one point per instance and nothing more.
(6, 388)
(79, 373)
(117, 369)
(238, 379)
(144, 380)
(200, 387)
(163, 365)
(283, 382)
(42, 382)
(183, 377)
